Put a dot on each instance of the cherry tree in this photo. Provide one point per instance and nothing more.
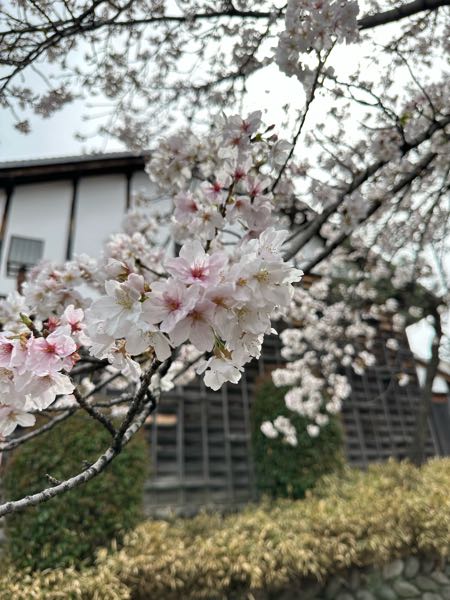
(217, 297)
(364, 190)
(157, 61)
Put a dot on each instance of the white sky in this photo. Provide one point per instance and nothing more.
(50, 137)
(269, 89)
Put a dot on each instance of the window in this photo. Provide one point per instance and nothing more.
(23, 252)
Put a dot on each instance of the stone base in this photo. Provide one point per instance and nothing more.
(402, 579)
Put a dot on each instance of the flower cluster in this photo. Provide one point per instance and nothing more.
(332, 326)
(51, 288)
(217, 296)
(281, 425)
(33, 370)
(233, 170)
(314, 25)
(218, 302)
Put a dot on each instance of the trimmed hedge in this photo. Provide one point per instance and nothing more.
(354, 519)
(283, 470)
(68, 529)
(62, 584)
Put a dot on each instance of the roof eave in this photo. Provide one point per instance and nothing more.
(13, 174)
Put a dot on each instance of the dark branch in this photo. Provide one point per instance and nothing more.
(146, 403)
(361, 178)
(401, 12)
(420, 437)
(340, 239)
(93, 412)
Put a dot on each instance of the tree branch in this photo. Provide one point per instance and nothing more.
(404, 182)
(302, 120)
(401, 12)
(18, 441)
(75, 24)
(93, 412)
(122, 438)
(84, 476)
(424, 409)
(371, 170)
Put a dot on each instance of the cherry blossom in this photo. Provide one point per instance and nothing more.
(145, 304)
(170, 301)
(314, 25)
(336, 330)
(367, 177)
(50, 354)
(218, 370)
(195, 266)
(11, 416)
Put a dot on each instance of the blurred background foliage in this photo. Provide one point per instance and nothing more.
(68, 529)
(283, 470)
(351, 519)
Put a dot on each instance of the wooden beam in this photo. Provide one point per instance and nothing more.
(4, 223)
(71, 227)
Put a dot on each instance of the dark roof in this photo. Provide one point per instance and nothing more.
(69, 167)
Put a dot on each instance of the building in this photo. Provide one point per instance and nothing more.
(52, 209)
(200, 440)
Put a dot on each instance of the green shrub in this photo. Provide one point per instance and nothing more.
(67, 529)
(284, 470)
(354, 519)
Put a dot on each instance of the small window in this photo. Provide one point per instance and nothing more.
(23, 252)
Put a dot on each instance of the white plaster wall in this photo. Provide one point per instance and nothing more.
(141, 185)
(101, 203)
(40, 211)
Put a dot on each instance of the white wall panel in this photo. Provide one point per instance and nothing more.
(39, 211)
(158, 205)
(100, 209)
(141, 184)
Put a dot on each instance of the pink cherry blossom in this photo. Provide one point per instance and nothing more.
(51, 354)
(194, 265)
(6, 350)
(196, 326)
(169, 302)
(185, 206)
(73, 316)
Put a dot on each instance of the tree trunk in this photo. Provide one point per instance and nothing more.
(424, 409)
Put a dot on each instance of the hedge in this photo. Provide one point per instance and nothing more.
(68, 529)
(282, 470)
(354, 519)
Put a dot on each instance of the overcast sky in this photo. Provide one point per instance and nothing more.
(269, 89)
(56, 136)
(49, 137)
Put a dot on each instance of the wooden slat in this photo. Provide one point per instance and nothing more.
(203, 456)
